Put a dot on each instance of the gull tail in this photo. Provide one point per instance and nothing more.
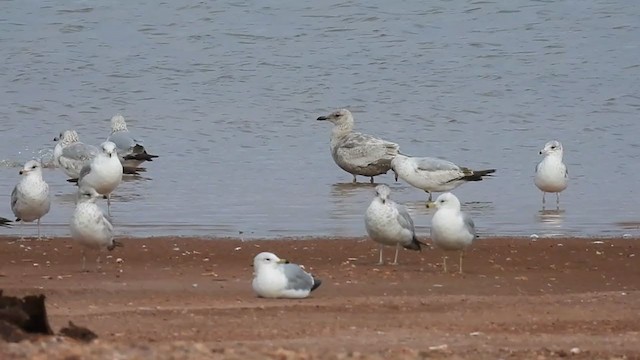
(115, 245)
(476, 175)
(415, 244)
(316, 283)
(5, 222)
(139, 153)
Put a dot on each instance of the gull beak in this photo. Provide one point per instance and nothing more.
(56, 138)
(22, 172)
(540, 152)
(431, 204)
(322, 118)
(282, 261)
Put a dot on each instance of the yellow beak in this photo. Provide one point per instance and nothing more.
(431, 204)
(282, 261)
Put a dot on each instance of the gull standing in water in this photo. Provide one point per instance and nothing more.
(357, 153)
(89, 226)
(103, 173)
(433, 174)
(30, 198)
(389, 223)
(451, 229)
(130, 148)
(71, 155)
(276, 278)
(551, 173)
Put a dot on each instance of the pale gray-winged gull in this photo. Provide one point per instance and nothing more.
(276, 278)
(103, 173)
(433, 174)
(89, 226)
(551, 173)
(131, 149)
(30, 198)
(70, 154)
(357, 153)
(389, 223)
(451, 229)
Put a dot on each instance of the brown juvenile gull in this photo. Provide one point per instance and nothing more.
(357, 153)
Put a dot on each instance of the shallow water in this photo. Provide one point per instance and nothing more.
(228, 93)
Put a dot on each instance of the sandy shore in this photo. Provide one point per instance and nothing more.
(192, 298)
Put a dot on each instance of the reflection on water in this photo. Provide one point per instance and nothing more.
(552, 221)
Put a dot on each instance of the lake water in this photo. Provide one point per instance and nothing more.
(228, 92)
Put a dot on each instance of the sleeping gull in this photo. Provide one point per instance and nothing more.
(389, 223)
(89, 226)
(451, 229)
(103, 173)
(130, 148)
(357, 153)
(5, 222)
(551, 173)
(71, 155)
(30, 198)
(276, 278)
(433, 174)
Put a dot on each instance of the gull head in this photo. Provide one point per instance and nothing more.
(552, 147)
(395, 162)
(445, 201)
(31, 166)
(87, 194)
(338, 117)
(109, 148)
(267, 260)
(383, 191)
(67, 137)
(118, 123)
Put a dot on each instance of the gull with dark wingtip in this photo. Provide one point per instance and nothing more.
(433, 174)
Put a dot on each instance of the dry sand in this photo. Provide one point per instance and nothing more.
(179, 298)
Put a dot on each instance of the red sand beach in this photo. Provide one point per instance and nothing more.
(179, 298)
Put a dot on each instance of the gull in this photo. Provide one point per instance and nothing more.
(71, 155)
(389, 223)
(89, 226)
(357, 153)
(103, 173)
(130, 148)
(551, 173)
(433, 174)
(30, 197)
(451, 229)
(5, 222)
(277, 278)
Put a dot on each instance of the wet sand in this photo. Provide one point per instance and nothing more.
(192, 298)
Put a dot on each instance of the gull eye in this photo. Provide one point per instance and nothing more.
(34, 166)
(553, 147)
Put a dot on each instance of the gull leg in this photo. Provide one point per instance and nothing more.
(371, 180)
(84, 261)
(39, 238)
(444, 263)
(430, 195)
(543, 193)
(354, 179)
(557, 200)
(380, 262)
(461, 252)
(109, 204)
(98, 263)
(395, 260)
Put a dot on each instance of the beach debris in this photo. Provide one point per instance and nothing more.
(25, 318)
(78, 332)
(20, 317)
